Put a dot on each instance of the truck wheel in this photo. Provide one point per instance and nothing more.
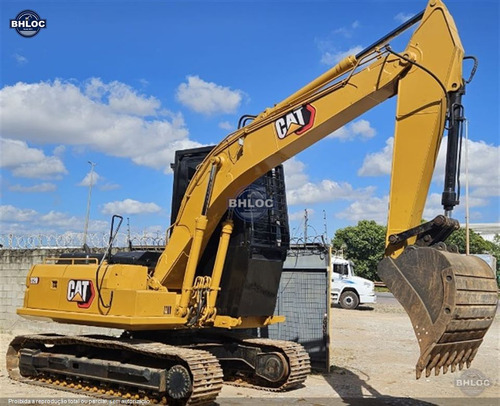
(349, 300)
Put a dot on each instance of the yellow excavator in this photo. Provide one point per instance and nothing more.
(220, 270)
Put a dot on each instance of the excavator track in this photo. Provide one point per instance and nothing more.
(298, 364)
(205, 373)
(290, 361)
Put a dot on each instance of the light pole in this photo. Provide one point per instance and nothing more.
(92, 164)
(467, 237)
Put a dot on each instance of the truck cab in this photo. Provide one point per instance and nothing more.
(347, 289)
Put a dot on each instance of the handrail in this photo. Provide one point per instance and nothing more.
(88, 261)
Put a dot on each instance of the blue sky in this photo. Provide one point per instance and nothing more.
(124, 84)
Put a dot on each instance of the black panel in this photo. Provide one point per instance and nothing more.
(257, 248)
(145, 258)
(249, 285)
(184, 168)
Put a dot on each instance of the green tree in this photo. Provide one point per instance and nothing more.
(363, 244)
(477, 244)
(495, 251)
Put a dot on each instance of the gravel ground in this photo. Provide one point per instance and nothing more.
(373, 356)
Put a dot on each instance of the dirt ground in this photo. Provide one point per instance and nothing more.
(373, 356)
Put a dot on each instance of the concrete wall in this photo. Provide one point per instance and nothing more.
(14, 267)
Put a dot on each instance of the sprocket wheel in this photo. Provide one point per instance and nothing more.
(178, 382)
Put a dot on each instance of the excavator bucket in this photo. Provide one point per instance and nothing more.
(451, 300)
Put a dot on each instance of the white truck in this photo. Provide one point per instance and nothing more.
(347, 289)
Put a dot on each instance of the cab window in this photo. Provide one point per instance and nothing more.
(340, 269)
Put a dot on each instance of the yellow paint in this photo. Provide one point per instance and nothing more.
(163, 300)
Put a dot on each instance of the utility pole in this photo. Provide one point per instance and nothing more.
(324, 221)
(129, 241)
(92, 164)
(305, 227)
(467, 237)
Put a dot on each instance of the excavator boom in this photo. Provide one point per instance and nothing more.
(421, 76)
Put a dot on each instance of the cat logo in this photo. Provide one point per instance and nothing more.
(297, 121)
(81, 292)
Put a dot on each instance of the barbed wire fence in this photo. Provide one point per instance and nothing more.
(75, 240)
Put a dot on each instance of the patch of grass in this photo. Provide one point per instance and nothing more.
(381, 289)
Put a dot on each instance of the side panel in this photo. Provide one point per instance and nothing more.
(70, 294)
(257, 247)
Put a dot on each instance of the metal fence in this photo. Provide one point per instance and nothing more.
(304, 300)
(75, 240)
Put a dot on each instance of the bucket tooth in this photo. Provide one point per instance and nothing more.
(451, 300)
(465, 359)
(432, 365)
(457, 360)
(473, 355)
(442, 362)
(450, 361)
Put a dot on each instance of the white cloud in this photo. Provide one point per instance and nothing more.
(10, 213)
(51, 167)
(299, 215)
(295, 176)
(330, 53)
(484, 168)
(333, 57)
(324, 191)
(16, 153)
(378, 163)
(433, 206)
(360, 128)
(376, 208)
(130, 206)
(60, 220)
(40, 188)
(59, 150)
(403, 17)
(28, 162)
(226, 125)
(302, 191)
(98, 180)
(111, 118)
(109, 186)
(122, 98)
(347, 31)
(207, 97)
(372, 208)
(20, 59)
(29, 222)
(86, 181)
